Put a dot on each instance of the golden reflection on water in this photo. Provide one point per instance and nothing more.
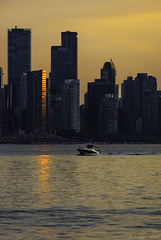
(44, 163)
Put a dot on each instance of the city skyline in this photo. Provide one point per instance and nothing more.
(122, 30)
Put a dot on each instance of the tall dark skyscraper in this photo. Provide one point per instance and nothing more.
(19, 53)
(108, 72)
(70, 105)
(102, 101)
(146, 116)
(70, 40)
(64, 60)
(33, 100)
(128, 105)
(1, 77)
(63, 67)
(140, 104)
(19, 62)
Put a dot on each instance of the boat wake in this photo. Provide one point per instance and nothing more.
(135, 153)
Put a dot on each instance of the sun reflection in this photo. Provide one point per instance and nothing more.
(44, 177)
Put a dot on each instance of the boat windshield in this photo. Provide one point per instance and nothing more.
(90, 146)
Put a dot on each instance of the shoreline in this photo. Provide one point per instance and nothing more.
(54, 139)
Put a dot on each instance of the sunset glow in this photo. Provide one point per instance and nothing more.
(126, 31)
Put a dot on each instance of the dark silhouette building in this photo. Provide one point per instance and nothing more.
(102, 93)
(159, 113)
(70, 110)
(63, 67)
(128, 105)
(146, 114)
(19, 62)
(108, 72)
(139, 102)
(70, 41)
(1, 77)
(3, 109)
(33, 101)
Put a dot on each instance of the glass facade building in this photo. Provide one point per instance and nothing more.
(19, 62)
(105, 86)
(19, 53)
(70, 118)
(63, 67)
(33, 100)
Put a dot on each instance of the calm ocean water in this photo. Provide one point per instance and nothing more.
(51, 192)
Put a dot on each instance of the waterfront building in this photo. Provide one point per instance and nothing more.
(3, 109)
(146, 105)
(70, 41)
(1, 77)
(48, 104)
(108, 115)
(64, 60)
(19, 62)
(96, 92)
(150, 106)
(139, 105)
(63, 67)
(70, 115)
(128, 105)
(159, 113)
(108, 72)
(19, 53)
(33, 101)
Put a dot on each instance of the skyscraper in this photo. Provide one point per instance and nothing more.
(19, 53)
(19, 62)
(108, 115)
(140, 104)
(64, 60)
(63, 67)
(100, 94)
(33, 100)
(128, 105)
(108, 72)
(1, 77)
(146, 116)
(70, 40)
(70, 118)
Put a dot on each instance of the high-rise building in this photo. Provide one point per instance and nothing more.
(96, 97)
(19, 62)
(146, 115)
(1, 77)
(96, 91)
(108, 72)
(128, 105)
(70, 115)
(33, 100)
(139, 105)
(3, 108)
(63, 67)
(150, 106)
(108, 115)
(19, 53)
(70, 40)
(159, 113)
(64, 60)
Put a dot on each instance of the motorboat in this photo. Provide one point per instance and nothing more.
(90, 149)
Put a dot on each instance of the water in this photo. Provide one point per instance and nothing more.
(51, 192)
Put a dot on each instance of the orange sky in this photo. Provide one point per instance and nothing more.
(128, 31)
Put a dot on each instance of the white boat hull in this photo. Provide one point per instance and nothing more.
(88, 152)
